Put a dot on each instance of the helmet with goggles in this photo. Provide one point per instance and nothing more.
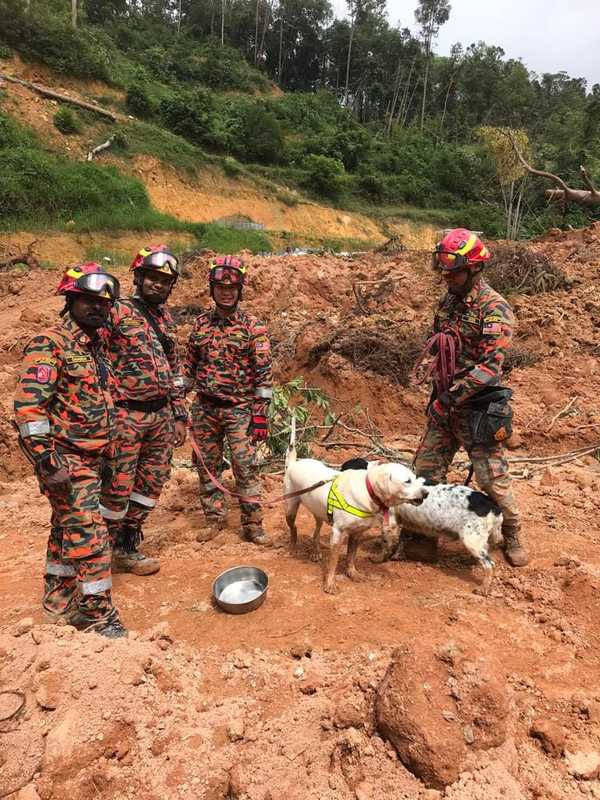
(157, 258)
(460, 249)
(227, 270)
(89, 279)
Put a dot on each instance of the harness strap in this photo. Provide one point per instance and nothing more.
(336, 500)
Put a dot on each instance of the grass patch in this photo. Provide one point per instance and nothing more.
(118, 258)
(231, 240)
(146, 139)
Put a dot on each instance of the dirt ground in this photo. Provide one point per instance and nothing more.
(281, 702)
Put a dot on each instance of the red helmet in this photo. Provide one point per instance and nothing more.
(458, 250)
(89, 279)
(157, 257)
(227, 269)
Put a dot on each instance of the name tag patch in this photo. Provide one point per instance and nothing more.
(77, 359)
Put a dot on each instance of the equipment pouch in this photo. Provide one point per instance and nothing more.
(492, 424)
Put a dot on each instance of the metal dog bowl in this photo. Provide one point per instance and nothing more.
(240, 589)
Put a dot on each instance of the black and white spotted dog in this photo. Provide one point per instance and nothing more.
(451, 510)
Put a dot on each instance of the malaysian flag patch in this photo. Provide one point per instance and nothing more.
(492, 329)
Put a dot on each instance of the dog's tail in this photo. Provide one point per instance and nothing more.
(290, 456)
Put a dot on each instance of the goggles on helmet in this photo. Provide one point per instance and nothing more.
(162, 262)
(453, 262)
(100, 283)
(227, 274)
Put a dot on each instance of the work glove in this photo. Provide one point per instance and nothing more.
(259, 427)
(108, 470)
(439, 409)
(58, 482)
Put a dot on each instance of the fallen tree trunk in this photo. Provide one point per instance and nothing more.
(104, 146)
(565, 194)
(28, 258)
(63, 98)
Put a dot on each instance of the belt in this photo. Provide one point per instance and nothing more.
(220, 402)
(143, 405)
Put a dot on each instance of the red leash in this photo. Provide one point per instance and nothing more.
(442, 348)
(242, 498)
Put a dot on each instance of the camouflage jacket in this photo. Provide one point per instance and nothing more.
(229, 359)
(485, 323)
(142, 368)
(63, 395)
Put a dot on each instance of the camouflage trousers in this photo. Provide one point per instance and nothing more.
(78, 555)
(211, 425)
(141, 467)
(441, 443)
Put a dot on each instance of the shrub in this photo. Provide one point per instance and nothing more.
(231, 168)
(189, 114)
(324, 175)
(66, 121)
(138, 102)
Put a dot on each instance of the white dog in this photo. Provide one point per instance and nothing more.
(350, 500)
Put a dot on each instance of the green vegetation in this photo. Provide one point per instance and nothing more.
(387, 125)
(230, 240)
(66, 121)
(302, 401)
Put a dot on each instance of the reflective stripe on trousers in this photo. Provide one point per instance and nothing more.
(60, 569)
(142, 500)
(108, 513)
(96, 587)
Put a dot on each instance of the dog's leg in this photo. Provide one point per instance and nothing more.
(351, 570)
(316, 544)
(291, 511)
(329, 584)
(475, 539)
(388, 542)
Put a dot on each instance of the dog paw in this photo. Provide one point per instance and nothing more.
(357, 576)
(379, 558)
(482, 591)
(330, 588)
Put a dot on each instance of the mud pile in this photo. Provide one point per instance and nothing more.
(502, 692)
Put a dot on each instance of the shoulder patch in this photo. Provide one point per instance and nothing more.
(43, 373)
(49, 360)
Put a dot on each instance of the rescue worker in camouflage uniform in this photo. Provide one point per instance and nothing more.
(151, 417)
(228, 363)
(63, 410)
(473, 328)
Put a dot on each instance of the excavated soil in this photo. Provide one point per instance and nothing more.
(281, 702)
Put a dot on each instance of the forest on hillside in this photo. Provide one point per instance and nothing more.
(369, 113)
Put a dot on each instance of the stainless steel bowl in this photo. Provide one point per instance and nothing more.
(240, 589)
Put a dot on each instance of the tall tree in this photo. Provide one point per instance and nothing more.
(431, 15)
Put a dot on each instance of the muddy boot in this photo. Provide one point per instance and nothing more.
(417, 548)
(212, 528)
(514, 552)
(126, 556)
(257, 536)
(109, 626)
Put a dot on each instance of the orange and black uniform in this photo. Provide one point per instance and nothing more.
(64, 412)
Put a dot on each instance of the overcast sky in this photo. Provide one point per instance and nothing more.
(548, 35)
